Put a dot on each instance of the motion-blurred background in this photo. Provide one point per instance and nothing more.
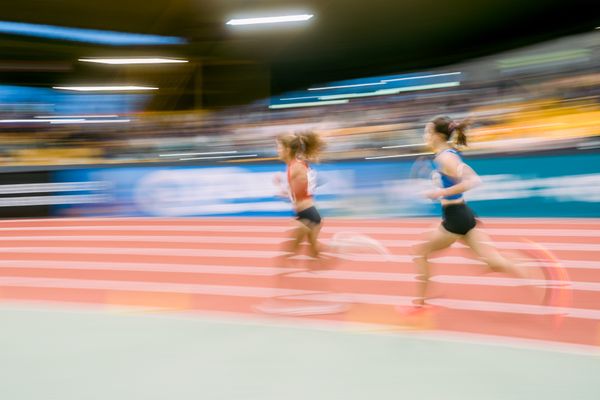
(176, 84)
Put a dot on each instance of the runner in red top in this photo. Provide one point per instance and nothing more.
(296, 151)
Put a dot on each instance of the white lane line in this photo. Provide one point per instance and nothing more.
(146, 267)
(161, 287)
(145, 228)
(154, 239)
(548, 232)
(489, 306)
(296, 272)
(275, 240)
(144, 251)
(244, 254)
(283, 220)
(568, 264)
(263, 292)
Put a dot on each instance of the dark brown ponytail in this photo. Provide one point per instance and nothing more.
(459, 132)
(452, 129)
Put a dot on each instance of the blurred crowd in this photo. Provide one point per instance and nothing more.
(536, 99)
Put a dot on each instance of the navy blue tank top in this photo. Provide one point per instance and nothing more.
(442, 180)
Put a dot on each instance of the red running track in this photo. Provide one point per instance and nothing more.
(230, 264)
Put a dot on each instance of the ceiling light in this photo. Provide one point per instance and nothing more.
(76, 116)
(104, 88)
(87, 121)
(129, 61)
(270, 20)
(14, 121)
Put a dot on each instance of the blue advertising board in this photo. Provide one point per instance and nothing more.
(523, 186)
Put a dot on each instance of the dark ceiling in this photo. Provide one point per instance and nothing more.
(345, 39)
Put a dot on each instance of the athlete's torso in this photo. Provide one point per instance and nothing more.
(445, 181)
(302, 197)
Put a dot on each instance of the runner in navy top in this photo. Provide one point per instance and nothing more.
(453, 178)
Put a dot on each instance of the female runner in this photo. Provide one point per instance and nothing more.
(297, 151)
(454, 177)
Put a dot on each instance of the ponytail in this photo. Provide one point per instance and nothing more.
(458, 130)
(450, 129)
(306, 144)
(311, 145)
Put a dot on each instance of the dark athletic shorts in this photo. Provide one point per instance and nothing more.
(309, 215)
(458, 219)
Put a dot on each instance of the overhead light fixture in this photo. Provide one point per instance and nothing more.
(104, 88)
(270, 20)
(131, 61)
(308, 104)
(88, 121)
(39, 120)
(86, 35)
(50, 117)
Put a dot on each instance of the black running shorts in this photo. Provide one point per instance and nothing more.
(309, 215)
(458, 219)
